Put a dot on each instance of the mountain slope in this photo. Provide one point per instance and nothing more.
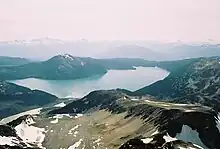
(134, 51)
(182, 51)
(197, 82)
(10, 61)
(34, 48)
(57, 68)
(143, 119)
(15, 99)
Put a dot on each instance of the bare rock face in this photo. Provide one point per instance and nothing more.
(15, 147)
(28, 119)
(157, 143)
(7, 131)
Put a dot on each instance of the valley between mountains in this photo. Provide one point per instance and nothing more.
(179, 112)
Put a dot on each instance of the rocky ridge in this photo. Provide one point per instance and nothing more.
(169, 119)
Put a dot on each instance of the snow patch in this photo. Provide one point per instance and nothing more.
(180, 104)
(67, 56)
(165, 105)
(54, 121)
(77, 144)
(76, 127)
(197, 146)
(134, 99)
(147, 140)
(73, 129)
(67, 115)
(59, 116)
(156, 132)
(169, 139)
(30, 134)
(78, 115)
(60, 105)
(11, 141)
(98, 140)
(218, 122)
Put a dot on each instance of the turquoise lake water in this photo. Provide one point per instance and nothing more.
(127, 79)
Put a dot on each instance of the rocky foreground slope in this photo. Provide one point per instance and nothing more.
(168, 120)
(112, 119)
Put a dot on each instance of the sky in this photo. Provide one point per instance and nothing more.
(161, 20)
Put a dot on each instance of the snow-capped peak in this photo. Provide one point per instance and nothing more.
(38, 41)
(67, 56)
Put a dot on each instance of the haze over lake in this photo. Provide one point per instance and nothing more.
(126, 79)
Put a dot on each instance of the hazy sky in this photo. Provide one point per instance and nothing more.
(169, 20)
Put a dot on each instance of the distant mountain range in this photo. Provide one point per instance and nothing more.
(134, 51)
(183, 51)
(11, 61)
(33, 49)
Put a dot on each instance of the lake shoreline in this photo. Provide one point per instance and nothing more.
(125, 79)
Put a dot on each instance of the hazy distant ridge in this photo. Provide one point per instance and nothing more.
(34, 48)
